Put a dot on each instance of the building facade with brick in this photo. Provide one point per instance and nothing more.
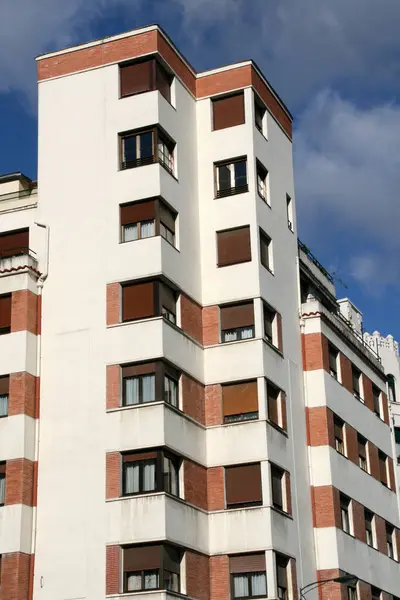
(170, 426)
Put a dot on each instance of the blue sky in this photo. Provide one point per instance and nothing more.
(336, 64)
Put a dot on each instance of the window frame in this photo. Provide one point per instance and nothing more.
(390, 541)
(356, 378)
(383, 463)
(141, 464)
(248, 575)
(158, 137)
(234, 189)
(361, 441)
(140, 394)
(283, 492)
(391, 381)
(289, 212)
(377, 400)
(333, 354)
(142, 573)
(156, 64)
(160, 206)
(340, 441)
(266, 248)
(3, 476)
(160, 479)
(260, 122)
(370, 535)
(345, 509)
(272, 339)
(280, 399)
(262, 175)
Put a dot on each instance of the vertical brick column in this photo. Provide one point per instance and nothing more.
(195, 478)
(15, 576)
(210, 325)
(113, 302)
(24, 311)
(219, 577)
(112, 569)
(215, 488)
(213, 405)
(326, 506)
(193, 398)
(113, 386)
(331, 590)
(113, 475)
(197, 575)
(22, 395)
(19, 482)
(192, 318)
(346, 373)
(320, 427)
(315, 352)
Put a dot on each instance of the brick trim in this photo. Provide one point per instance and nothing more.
(197, 575)
(113, 303)
(358, 521)
(24, 311)
(19, 482)
(351, 443)
(346, 372)
(325, 506)
(288, 493)
(215, 488)
(213, 405)
(113, 386)
(192, 318)
(320, 428)
(210, 325)
(385, 408)
(380, 531)
(15, 576)
(331, 590)
(193, 398)
(315, 352)
(22, 395)
(113, 475)
(367, 389)
(293, 579)
(219, 577)
(195, 478)
(112, 569)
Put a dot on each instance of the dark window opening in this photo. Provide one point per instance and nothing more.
(147, 147)
(237, 322)
(153, 471)
(231, 178)
(145, 76)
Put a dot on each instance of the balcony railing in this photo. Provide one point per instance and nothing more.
(239, 189)
(311, 257)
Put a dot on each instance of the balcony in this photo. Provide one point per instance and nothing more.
(19, 199)
(18, 259)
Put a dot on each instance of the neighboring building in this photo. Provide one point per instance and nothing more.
(169, 428)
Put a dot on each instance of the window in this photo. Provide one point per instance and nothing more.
(362, 453)
(2, 483)
(282, 565)
(289, 212)
(146, 472)
(228, 111)
(392, 388)
(146, 147)
(377, 400)
(144, 300)
(382, 468)
(240, 401)
(5, 313)
(150, 382)
(171, 391)
(278, 488)
(140, 220)
(248, 575)
(243, 485)
(262, 182)
(333, 361)
(272, 326)
(144, 76)
(345, 513)
(375, 593)
(14, 243)
(233, 246)
(151, 567)
(356, 377)
(276, 405)
(339, 435)
(397, 440)
(389, 540)
(231, 177)
(351, 593)
(237, 322)
(266, 251)
(369, 534)
(259, 113)
(4, 390)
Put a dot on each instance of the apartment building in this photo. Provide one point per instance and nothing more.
(170, 427)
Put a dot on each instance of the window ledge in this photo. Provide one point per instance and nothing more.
(278, 428)
(281, 512)
(238, 262)
(234, 342)
(135, 406)
(273, 347)
(232, 510)
(265, 200)
(261, 133)
(268, 269)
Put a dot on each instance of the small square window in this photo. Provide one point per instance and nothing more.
(266, 251)
(262, 183)
(231, 178)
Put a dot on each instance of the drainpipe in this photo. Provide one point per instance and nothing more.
(40, 282)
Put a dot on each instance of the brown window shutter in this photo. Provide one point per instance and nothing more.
(138, 211)
(277, 484)
(273, 403)
(243, 484)
(233, 246)
(228, 111)
(167, 217)
(138, 369)
(338, 428)
(13, 242)
(172, 559)
(137, 77)
(238, 315)
(5, 311)
(3, 468)
(247, 563)
(4, 385)
(167, 298)
(382, 468)
(238, 398)
(281, 570)
(138, 301)
(279, 340)
(283, 409)
(163, 82)
(141, 558)
(134, 457)
(362, 449)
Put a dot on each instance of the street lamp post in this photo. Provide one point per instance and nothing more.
(349, 579)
